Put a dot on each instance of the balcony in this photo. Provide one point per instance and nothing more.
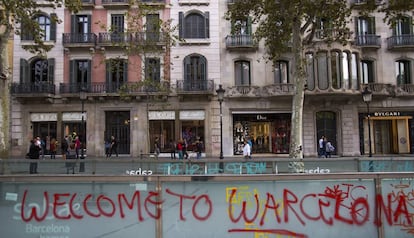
(75, 40)
(244, 91)
(193, 2)
(31, 91)
(380, 89)
(115, 3)
(153, 1)
(130, 39)
(368, 41)
(401, 42)
(88, 3)
(114, 89)
(356, 3)
(404, 90)
(240, 42)
(195, 87)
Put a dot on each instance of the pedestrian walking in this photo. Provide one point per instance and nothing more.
(329, 149)
(322, 146)
(246, 150)
(114, 146)
(172, 146)
(53, 148)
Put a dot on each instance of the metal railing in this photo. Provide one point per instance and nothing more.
(230, 166)
(368, 40)
(400, 41)
(195, 86)
(33, 88)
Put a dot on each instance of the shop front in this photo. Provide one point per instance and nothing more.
(268, 132)
(391, 133)
(163, 124)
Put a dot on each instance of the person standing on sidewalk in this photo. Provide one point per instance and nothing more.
(34, 154)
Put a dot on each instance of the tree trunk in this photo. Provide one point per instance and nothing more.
(4, 98)
(296, 137)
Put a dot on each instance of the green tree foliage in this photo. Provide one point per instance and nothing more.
(15, 15)
(291, 27)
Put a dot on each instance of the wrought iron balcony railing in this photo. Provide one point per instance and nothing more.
(400, 41)
(368, 40)
(79, 38)
(242, 41)
(124, 38)
(117, 88)
(188, 86)
(33, 88)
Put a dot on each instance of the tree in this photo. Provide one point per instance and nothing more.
(14, 15)
(290, 27)
(146, 44)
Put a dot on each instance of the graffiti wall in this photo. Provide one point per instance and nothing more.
(254, 209)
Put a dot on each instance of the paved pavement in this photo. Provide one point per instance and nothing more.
(127, 165)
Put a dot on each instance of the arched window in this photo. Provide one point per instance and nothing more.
(326, 126)
(195, 72)
(242, 73)
(336, 69)
(310, 71)
(322, 61)
(194, 25)
(47, 26)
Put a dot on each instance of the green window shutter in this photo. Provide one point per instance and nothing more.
(207, 24)
(147, 68)
(181, 25)
(73, 25)
(72, 72)
(51, 70)
(108, 71)
(88, 74)
(125, 71)
(249, 25)
(158, 70)
(24, 71)
(372, 25)
(53, 19)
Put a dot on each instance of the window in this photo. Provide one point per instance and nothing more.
(152, 27)
(322, 62)
(345, 70)
(194, 25)
(310, 71)
(354, 71)
(336, 69)
(242, 73)
(117, 27)
(116, 74)
(37, 71)
(242, 27)
(365, 30)
(80, 73)
(195, 68)
(367, 71)
(81, 28)
(281, 74)
(403, 72)
(152, 69)
(46, 25)
(403, 26)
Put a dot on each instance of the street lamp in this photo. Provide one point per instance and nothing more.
(220, 96)
(83, 96)
(367, 97)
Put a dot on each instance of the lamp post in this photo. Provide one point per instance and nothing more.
(220, 97)
(83, 96)
(367, 97)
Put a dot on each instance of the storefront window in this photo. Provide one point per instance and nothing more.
(163, 130)
(269, 133)
(191, 132)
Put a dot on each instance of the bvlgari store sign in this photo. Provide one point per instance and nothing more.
(387, 114)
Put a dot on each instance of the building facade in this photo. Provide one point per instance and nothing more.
(89, 55)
